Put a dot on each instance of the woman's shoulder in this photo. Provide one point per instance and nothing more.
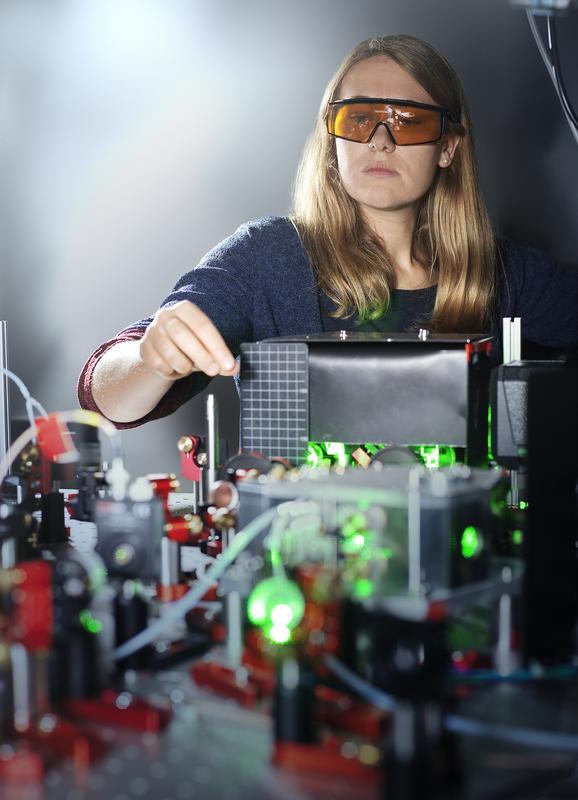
(540, 291)
(528, 268)
(517, 257)
(258, 235)
(271, 225)
(261, 255)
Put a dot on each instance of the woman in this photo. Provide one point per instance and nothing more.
(389, 232)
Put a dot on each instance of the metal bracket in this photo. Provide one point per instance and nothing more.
(512, 337)
(4, 405)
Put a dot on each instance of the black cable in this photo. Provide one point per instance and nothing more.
(553, 42)
(551, 71)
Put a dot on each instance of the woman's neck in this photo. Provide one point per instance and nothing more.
(395, 229)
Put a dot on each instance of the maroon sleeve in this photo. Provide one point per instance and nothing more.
(179, 392)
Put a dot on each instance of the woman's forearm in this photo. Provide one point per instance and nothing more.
(123, 387)
(131, 377)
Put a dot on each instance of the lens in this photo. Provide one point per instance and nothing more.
(407, 124)
(414, 125)
(354, 121)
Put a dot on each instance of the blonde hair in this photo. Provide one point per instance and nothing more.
(453, 230)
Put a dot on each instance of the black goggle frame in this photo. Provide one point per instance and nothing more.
(445, 113)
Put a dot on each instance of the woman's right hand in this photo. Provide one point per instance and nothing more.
(181, 339)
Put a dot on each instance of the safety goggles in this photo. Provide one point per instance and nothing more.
(408, 122)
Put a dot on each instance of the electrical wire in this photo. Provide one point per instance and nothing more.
(189, 601)
(553, 44)
(526, 737)
(518, 676)
(30, 402)
(551, 69)
(554, 77)
(359, 685)
(281, 527)
(80, 416)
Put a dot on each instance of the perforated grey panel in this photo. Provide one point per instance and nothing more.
(275, 399)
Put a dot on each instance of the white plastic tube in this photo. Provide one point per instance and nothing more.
(518, 735)
(30, 402)
(177, 610)
(77, 415)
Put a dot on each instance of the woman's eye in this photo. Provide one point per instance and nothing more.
(405, 121)
(359, 119)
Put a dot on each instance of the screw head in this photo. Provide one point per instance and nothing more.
(185, 444)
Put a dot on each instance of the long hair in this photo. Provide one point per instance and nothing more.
(453, 229)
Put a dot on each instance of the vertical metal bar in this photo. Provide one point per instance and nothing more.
(514, 488)
(6, 695)
(405, 731)
(170, 562)
(8, 553)
(212, 441)
(506, 345)
(414, 531)
(512, 339)
(227, 536)
(234, 629)
(505, 658)
(4, 405)
(512, 335)
(21, 687)
(516, 339)
(195, 500)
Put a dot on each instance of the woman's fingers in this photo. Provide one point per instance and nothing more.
(182, 339)
(207, 335)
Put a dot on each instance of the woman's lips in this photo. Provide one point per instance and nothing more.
(380, 170)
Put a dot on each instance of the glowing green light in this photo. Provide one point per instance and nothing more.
(471, 542)
(318, 453)
(490, 454)
(314, 455)
(363, 588)
(276, 602)
(123, 554)
(355, 541)
(324, 453)
(522, 505)
(435, 456)
(337, 449)
(281, 615)
(354, 525)
(372, 449)
(276, 559)
(257, 611)
(280, 634)
(517, 537)
(90, 623)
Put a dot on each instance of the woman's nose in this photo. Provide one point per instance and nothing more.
(382, 138)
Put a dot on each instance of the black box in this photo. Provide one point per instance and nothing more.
(364, 387)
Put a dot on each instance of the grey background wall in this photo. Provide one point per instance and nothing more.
(133, 138)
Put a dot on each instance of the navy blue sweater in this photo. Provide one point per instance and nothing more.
(258, 283)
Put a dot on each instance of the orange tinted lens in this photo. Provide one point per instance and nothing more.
(356, 121)
(411, 125)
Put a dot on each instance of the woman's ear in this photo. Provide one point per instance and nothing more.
(448, 149)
